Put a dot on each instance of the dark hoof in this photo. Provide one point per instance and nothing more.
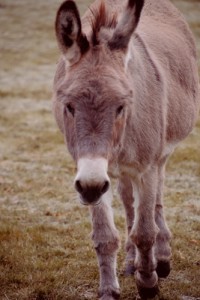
(114, 295)
(148, 293)
(163, 269)
(129, 270)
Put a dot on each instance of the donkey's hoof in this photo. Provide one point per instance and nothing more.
(129, 270)
(163, 268)
(148, 293)
(109, 295)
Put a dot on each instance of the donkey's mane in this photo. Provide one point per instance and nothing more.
(101, 18)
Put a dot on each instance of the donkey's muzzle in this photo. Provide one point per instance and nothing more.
(92, 181)
(90, 194)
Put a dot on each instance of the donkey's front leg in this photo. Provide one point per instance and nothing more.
(144, 233)
(106, 243)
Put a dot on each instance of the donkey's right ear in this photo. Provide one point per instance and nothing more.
(127, 25)
(72, 42)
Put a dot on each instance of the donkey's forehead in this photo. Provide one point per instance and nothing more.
(91, 90)
(101, 61)
(96, 81)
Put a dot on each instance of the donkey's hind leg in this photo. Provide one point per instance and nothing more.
(162, 249)
(106, 243)
(125, 190)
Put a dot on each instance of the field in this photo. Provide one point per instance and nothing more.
(45, 248)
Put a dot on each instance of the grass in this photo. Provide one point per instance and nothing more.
(45, 248)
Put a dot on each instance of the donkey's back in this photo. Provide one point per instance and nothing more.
(168, 37)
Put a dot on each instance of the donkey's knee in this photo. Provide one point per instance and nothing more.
(106, 242)
(144, 240)
(106, 248)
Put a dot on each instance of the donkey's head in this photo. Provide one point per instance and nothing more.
(95, 91)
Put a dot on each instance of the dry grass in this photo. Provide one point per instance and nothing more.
(45, 247)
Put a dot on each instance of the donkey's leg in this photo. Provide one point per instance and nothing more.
(144, 233)
(162, 249)
(125, 190)
(106, 243)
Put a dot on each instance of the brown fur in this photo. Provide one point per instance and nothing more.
(101, 20)
(129, 98)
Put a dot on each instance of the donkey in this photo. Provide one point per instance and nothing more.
(126, 91)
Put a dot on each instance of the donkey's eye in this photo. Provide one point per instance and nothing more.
(70, 109)
(119, 110)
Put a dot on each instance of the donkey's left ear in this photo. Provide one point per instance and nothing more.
(127, 25)
(72, 42)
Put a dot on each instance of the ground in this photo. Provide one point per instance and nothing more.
(45, 247)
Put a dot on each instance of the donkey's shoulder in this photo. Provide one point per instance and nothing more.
(159, 9)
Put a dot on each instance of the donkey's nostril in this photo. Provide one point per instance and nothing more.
(78, 186)
(105, 187)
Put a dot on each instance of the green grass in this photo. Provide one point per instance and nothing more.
(45, 248)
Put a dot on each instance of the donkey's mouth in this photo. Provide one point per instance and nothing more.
(88, 203)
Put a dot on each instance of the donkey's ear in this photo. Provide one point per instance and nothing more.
(126, 25)
(72, 42)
